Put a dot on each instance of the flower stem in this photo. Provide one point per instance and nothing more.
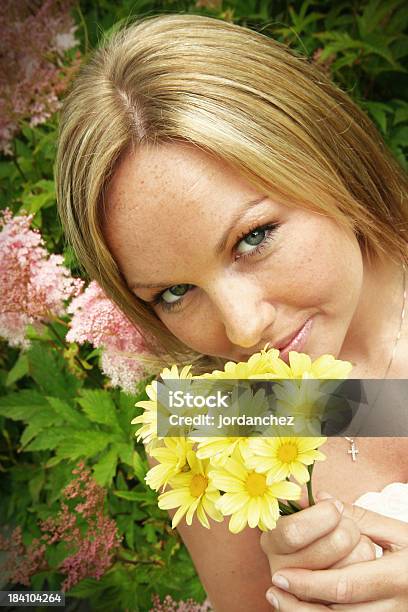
(285, 509)
(295, 506)
(309, 486)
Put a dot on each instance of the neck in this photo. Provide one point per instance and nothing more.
(371, 336)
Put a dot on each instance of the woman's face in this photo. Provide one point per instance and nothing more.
(229, 274)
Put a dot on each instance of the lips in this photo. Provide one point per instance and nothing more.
(293, 341)
(297, 342)
(284, 342)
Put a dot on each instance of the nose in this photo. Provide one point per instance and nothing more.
(243, 309)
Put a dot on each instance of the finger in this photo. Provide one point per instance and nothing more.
(389, 533)
(360, 582)
(285, 602)
(298, 530)
(363, 551)
(385, 605)
(325, 552)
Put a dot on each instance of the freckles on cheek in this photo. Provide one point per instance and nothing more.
(198, 333)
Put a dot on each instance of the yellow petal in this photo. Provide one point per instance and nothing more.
(238, 521)
(299, 472)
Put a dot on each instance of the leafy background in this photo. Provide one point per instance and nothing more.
(56, 406)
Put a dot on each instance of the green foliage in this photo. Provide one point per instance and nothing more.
(55, 406)
(62, 420)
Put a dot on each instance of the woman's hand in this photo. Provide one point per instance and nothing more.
(318, 537)
(368, 584)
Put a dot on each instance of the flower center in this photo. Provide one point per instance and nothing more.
(287, 452)
(256, 484)
(306, 410)
(198, 485)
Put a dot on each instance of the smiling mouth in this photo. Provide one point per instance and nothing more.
(294, 342)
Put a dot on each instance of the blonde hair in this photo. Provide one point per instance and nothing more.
(242, 97)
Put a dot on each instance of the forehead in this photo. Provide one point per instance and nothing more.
(163, 200)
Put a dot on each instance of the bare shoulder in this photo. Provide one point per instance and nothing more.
(232, 567)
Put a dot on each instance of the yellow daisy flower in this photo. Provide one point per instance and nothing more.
(173, 460)
(222, 446)
(258, 363)
(218, 449)
(148, 419)
(305, 401)
(281, 457)
(301, 366)
(192, 492)
(248, 498)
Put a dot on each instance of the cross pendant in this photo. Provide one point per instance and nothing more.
(353, 450)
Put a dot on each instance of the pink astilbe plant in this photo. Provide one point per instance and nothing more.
(170, 605)
(34, 284)
(96, 319)
(34, 38)
(90, 553)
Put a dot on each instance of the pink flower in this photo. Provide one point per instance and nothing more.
(96, 319)
(32, 43)
(170, 605)
(34, 284)
(90, 553)
(95, 551)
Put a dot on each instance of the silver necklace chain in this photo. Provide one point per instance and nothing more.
(353, 451)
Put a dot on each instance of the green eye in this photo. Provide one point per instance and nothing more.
(252, 239)
(175, 292)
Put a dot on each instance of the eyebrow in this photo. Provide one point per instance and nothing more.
(219, 247)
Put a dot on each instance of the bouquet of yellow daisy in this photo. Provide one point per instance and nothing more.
(252, 480)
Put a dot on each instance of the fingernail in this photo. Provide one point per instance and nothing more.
(270, 596)
(323, 495)
(280, 581)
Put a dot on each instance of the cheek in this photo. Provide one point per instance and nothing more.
(199, 330)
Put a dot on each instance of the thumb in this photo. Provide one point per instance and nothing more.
(389, 533)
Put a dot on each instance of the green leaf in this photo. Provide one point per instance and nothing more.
(84, 444)
(19, 369)
(379, 111)
(53, 462)
(41, 420)
(127, 411)
(130, 534)
(347, 60)
(86, 588)
(48, 439)
(139, 466)
(105, 469)
(401, 114)
(36, 484)
(48, 368)
(133, 495)
(68, 413)
(374, 12)
(125, 452)
(99, 407)
(400, 136)
(21, 405)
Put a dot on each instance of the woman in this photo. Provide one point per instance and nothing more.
(224, 193)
